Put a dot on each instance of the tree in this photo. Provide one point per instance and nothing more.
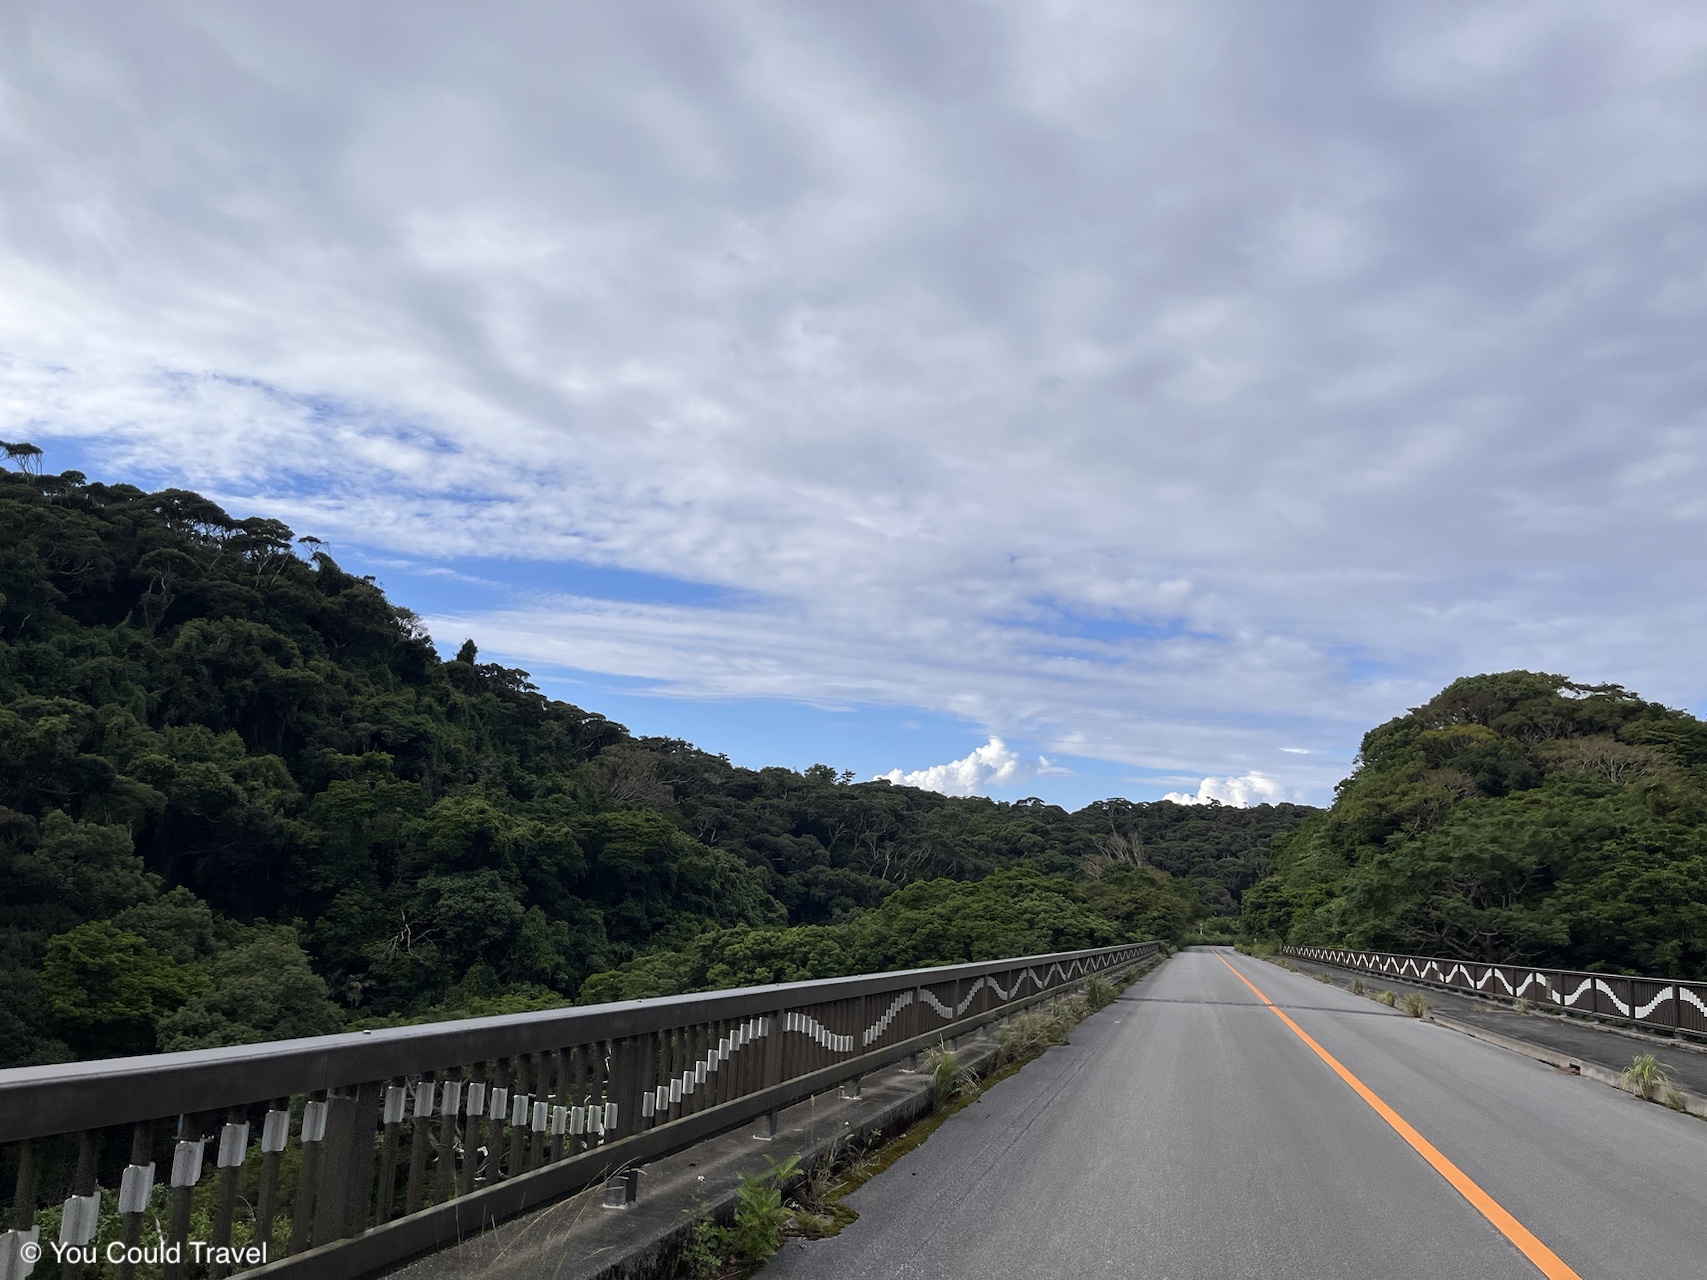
(110, 990)
(261, 990)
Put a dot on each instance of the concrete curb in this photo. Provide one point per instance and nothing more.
(1693, 1103)
(578, 1239)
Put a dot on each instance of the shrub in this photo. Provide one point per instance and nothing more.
(756, 1232)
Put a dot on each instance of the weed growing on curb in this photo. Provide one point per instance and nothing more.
(1647, 1078)
(753, 1237)
(1522, 1005)
(1029, 1033)
(1099, 993)
(1324, 977)
(949, 1080)
(1357, 987)
(1388, 998)
(1417, 1004)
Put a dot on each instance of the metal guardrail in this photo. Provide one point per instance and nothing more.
(1663, 1004)
(353, 1152)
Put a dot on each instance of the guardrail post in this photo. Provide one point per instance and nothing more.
(420, 1116)
(313, 1138)
(364, 1130)
(497, 1112)
(275, 1133)
(187, 1156)
(24, 1190)
(233, 1147)
(521, 1106)
(134, 1191)
(80, 1218)
(473, 1126)
(622, 1073)
(775, 1043)
(331, 1196)
(391, 1120)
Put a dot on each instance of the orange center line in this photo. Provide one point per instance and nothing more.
(1549, 1263)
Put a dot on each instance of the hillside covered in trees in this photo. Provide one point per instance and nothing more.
(1515, 817)
(242, 797)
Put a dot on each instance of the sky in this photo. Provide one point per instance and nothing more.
(1034, 398)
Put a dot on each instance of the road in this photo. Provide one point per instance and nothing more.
(1189, 1133)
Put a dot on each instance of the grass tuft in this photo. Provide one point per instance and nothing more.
(1416, 1004)
(1324, 977)
(1357, 988)
(949, 1079)
(1099, 993)
(1647, 1078)
(1388, 998)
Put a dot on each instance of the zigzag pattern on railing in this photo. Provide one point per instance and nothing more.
(689, 1081)
(409, 1134)
(1654, 1002)
(693, 1077)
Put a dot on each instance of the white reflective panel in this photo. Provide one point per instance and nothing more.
(187, 1163)
(275, 1132)
(134, 1186)
(233, 1145)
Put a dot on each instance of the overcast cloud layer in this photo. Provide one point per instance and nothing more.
(1166, 383)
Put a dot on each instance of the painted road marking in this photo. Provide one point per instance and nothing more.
(1550, 1264)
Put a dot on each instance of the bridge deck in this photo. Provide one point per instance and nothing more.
(1188, 1133)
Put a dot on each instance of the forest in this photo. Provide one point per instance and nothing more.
(243, 797)
(1514, 817)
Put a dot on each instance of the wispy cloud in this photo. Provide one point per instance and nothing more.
(1188, 387)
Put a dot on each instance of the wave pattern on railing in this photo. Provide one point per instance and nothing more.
(1653, 1002)
(458, 1110)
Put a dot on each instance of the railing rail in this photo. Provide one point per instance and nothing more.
(1664, 1004)
(350, 1153)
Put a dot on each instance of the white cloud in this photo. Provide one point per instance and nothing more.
(994, 764)
(1200, 445)
(1241, 792)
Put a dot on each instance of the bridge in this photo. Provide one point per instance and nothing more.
(365, 1149)
(1224, 1117)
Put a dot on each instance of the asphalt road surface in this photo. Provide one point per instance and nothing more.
(1189, 1133)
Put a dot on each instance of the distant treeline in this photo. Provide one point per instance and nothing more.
(1515, 817)
(242, 797)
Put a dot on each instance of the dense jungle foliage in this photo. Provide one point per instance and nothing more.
(1514, 817)
(242, 797)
